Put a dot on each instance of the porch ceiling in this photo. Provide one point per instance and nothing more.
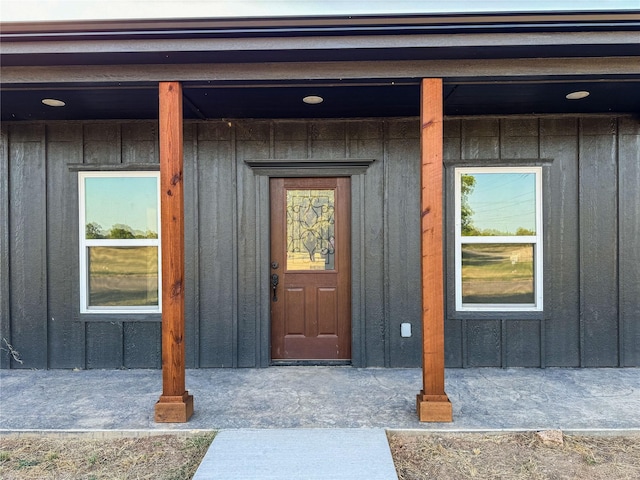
(347, 99)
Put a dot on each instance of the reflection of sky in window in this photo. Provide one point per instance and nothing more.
(128, 201)
(504, 202)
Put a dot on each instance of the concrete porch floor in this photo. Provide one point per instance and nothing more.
(484, 399)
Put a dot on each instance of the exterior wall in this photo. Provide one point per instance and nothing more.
(592, 241)
(591, 191)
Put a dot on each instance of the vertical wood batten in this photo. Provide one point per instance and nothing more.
(27, 270)
(598, 236)
(432, 402)
(5, 314)
(629, 233)
(175, 403)
(66, 340)
(191, 267)
(561, 327)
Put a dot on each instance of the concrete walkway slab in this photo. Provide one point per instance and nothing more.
(309, 454)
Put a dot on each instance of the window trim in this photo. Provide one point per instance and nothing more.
(536, 240)
(85, 243)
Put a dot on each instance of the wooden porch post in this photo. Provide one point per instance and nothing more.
(432, 402)
(175, 403)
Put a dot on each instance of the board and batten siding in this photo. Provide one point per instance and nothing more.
(592, 240)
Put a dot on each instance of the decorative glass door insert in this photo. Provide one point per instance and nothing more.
(311, 242)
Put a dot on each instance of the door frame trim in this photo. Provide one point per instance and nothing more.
(339, 168)
(323, 167)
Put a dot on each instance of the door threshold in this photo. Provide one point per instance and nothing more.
(310, 363)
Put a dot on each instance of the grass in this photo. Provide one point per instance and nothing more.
(514, 456)
(417, 456)
(163, 457)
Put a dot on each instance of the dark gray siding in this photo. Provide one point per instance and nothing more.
(5, 312)
(5, 327)
(28, 245)
(371, 251)
(629, 245)
(591, 284)
(66, 339)
(592, 247)
(598, 242)
(217, 243)
(402, 244)
(558, 141)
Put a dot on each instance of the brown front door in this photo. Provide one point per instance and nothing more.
(310, 254)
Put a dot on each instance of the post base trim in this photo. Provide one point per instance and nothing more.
(434, 408)
(174, 408)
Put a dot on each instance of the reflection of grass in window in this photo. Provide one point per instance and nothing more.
(123, 276)
(494, 273)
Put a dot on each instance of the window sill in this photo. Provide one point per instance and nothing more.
(119, 317)
(496, 315)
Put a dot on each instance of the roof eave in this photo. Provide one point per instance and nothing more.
(321, 25)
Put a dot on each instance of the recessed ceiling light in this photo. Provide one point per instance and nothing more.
(577, 95)
(313, 99)
(52, 102)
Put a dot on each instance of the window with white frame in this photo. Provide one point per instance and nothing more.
(498, 239)
(119, 242)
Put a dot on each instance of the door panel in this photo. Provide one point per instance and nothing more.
(294, 311)
(310, 253)
(327, 310)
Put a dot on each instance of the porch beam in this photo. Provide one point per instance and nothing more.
(467, 70)
(432, 402)
(175, 403)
